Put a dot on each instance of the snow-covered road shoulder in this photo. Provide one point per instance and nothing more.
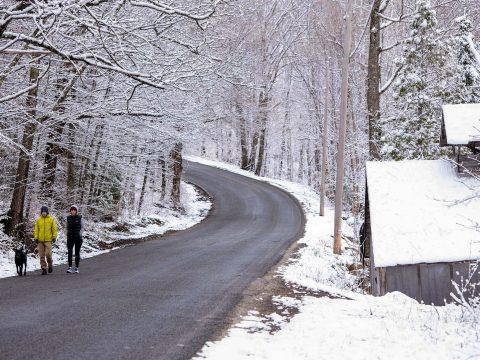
(392, 327)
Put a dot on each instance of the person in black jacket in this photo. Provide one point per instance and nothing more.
(74, 238)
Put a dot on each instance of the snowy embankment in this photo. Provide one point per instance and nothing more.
(350, 325)
(126, 230)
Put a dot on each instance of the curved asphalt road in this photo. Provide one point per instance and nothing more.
(160, 299)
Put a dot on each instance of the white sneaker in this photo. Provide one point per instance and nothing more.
(70, 270)
(77, 271)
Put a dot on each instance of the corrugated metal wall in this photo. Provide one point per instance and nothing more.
(430, 283)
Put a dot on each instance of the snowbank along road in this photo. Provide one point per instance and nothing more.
(160, 299)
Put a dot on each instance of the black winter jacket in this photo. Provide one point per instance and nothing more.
(74, 227)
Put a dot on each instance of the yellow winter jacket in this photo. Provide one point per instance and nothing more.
(45, 229)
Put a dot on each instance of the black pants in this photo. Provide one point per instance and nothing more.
(71, 242)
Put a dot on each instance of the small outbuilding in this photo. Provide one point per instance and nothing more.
(422, 228)
(422, 217)
(461, 131)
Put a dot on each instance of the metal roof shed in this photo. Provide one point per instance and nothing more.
(422, 223)
(461, 125)
(461, 129)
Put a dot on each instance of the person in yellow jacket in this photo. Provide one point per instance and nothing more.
(44, 235)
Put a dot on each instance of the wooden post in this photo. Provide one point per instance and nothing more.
(324, 140)
(337, 244)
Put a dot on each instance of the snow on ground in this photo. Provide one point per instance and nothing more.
(351, 325)
(392, 327)
(133, 228)
(159, 220)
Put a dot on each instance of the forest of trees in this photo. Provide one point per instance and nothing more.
(99, 99)
(408, 57)
(95, 103)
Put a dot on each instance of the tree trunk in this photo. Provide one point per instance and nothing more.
(177, 167)
(290, 156)
(31, 193)
(163, 186)
(263, 107)
(52, 152)
(324, 141)
(253, 152)
(301, 163)
(283, 147)
(71, 191)
(285, 127)
(309, 165)
(93, 172)
(373, 82)
(85, 147)
(243, 140)
(144, 186)
(128, 197)
(230, 143)
(15, 226)
(317, 155)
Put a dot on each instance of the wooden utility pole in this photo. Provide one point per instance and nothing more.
(324, 140)
(337, 242)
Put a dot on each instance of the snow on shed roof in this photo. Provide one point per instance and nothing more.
(419, 213)
(462, 123)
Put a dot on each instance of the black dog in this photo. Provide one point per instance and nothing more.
(21, 260)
